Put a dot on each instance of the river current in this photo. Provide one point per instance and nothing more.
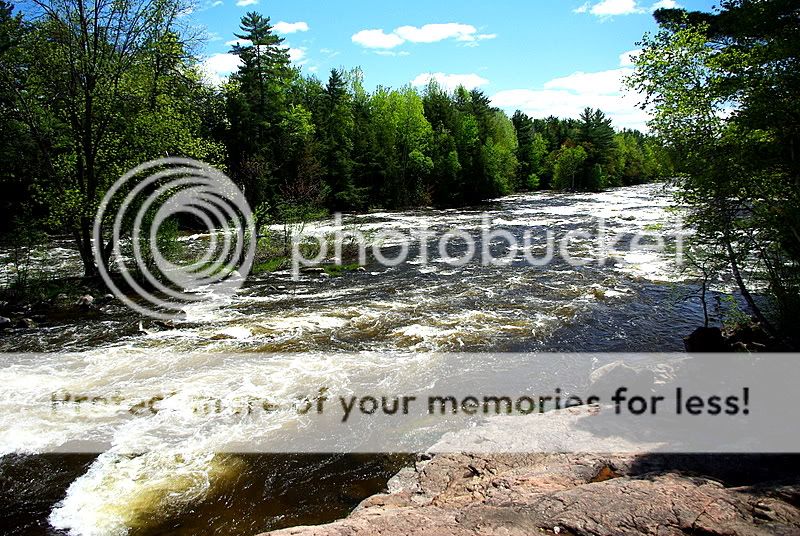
(637, 300)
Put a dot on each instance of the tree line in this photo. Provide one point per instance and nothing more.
(92, 88)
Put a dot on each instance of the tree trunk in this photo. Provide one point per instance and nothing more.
(766, 324)
(83, 238)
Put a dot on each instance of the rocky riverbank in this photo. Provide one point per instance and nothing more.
(581, 494)
(520, 481)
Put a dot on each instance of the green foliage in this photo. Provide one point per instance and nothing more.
(597, 179)
(597, 137)
(338, 270)
(403, 136)
(271, 265)
(95, 88)
(724, 89)
(106, 86)
(568, 165)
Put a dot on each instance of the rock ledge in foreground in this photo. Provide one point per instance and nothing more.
(580, 494)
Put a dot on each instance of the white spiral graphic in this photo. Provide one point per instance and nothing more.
(171, 186)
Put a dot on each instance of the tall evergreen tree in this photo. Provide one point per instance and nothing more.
(596, 135)
(257, 107)
(337, 144)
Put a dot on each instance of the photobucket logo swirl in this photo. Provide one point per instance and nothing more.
(142, 201)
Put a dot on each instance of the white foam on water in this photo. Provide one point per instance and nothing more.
(159, 464)
(162, 463)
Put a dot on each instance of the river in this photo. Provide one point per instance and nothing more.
(635, 301)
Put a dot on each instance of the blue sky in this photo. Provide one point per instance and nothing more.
(542, 56)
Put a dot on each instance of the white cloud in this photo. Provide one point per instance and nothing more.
(205, 5)
(377, 39)
(219, 66)
(451, 81)
(297, 55)
(599, 83)
(329, 52)
(583, 9)
(432, 33)
(291, 27)
(610, 8)
(626, 59)
(392, 53)
(429, 33)
(242, 3)
(666, 4)
(567, 96)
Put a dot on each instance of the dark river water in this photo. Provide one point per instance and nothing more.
(635, 301)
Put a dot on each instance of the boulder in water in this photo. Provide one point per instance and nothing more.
(706, 340)
(5, 322)
(221, 337)
(26, 323)
(87, 300)
(165, 324)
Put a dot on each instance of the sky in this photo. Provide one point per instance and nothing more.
(544, 57)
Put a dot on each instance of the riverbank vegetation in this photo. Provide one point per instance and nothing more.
(724, 88)
(91, 89)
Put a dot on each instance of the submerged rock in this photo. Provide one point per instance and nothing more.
(221, 337)
(26, 323)
(165, 324)
(86, 300)
(706, 340)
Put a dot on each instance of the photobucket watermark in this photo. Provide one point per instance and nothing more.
(139, 209)
(491, 244)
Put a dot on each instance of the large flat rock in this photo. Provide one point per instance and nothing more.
(581, 494)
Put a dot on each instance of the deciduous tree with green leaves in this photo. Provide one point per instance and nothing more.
(725, 91)
(100, 93)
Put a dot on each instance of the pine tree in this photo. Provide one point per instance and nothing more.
(596, 136)
(257, 107)
(337, 144)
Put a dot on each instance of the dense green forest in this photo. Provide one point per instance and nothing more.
(90, 90)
